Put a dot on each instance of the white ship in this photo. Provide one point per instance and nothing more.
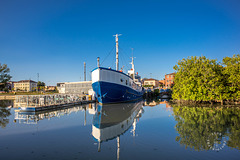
(114, 86)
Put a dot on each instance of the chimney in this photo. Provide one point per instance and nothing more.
(98, 63)
(84, 71)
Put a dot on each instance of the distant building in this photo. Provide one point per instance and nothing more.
(61, 87)
(151, 82)
(169, 80)
(25, 85)
(50, 88)
(75, 87)
(162, 83)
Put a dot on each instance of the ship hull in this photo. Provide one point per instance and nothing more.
(113, 86)
(114, 93)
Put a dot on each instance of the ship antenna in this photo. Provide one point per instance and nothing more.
(133, 65)
(117, 50)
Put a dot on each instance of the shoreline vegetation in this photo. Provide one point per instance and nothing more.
(200, 80)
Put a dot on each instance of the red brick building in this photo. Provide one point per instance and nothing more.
(169, 80)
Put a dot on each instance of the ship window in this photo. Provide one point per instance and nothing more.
(126, 82)
(121, 80)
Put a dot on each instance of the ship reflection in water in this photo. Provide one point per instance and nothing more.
(111, 121)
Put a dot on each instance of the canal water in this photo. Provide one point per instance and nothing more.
(137, 130)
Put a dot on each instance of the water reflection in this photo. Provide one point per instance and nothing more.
(113, 128)
(5, 107)
(155, 102)
(34, 117)
(111, 121)
(207, 128)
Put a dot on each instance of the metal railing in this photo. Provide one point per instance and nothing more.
(47, 100)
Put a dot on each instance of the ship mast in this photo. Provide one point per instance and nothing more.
(117, 61)
(133, 66)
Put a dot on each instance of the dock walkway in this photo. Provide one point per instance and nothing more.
(33, 103)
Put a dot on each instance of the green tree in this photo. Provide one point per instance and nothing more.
(198, 79)
(161, 85)
(4, 76)
(156, 92)
(40, 85)
(231, 73)
(148, 86)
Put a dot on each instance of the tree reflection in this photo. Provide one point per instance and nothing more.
(205, 128)
(4, 113)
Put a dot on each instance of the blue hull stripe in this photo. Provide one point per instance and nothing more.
(114, 93)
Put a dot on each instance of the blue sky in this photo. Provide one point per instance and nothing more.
(55, 37)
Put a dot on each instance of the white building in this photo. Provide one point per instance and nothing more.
(61, 87)
(75, 87)
(25, 85)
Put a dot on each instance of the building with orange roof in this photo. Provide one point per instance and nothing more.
(162, 83)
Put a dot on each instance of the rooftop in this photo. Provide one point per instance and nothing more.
(150, 79)
(171, 73)
(22, 81)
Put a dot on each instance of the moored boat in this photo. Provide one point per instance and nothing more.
(114, 86)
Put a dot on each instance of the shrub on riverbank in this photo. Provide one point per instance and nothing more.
(199, 79)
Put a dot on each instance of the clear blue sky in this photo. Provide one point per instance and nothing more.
(54, 37)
